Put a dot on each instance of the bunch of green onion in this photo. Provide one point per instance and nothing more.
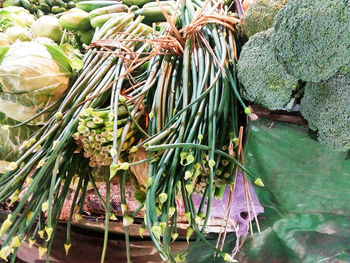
(193, 102)
(95, 134)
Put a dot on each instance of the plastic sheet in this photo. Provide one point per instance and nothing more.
(306, 198)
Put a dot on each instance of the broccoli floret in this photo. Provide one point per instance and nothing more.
(264, 80)
(326, 106)
(312, 38)
(260, 14)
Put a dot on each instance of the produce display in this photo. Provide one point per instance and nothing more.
(87, 86)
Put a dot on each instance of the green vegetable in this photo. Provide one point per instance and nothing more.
(18, 32)
(44, 7)
(7, 3)
(260, 15)
(326, 106)
(98, 21)
(107, 10)
(51, 2)
(154, 14)
(15, 16)
(47, 26)
(86, 37)
(312, 38)
(11, 139)
(55, 9)
(163, 3)
(75, 21)
(136, 2)
(92, 5)
(71, 4)
(264, 80)
(28, 5)
(33, 76)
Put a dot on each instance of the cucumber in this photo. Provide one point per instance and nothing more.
(75, 21)
(98, 21)
(44, 7)
(51, 3)
(136, 2)
(107, 10)
(92, 5)
(163, 3)
(60, 3)
(27, 5)
(154, 14)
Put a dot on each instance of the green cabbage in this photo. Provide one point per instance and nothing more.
(47, 26)
(33, 76)
(15, 16)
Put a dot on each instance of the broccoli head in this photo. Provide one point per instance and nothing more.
(312, 38)
(326, 106)
(264, 79)
(260, 14)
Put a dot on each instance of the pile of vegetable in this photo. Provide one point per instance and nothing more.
(162, 78)
(170, 89)
(293, 63)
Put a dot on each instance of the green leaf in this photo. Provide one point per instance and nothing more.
(60, 57)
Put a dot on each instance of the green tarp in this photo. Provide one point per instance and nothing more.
(306, 198)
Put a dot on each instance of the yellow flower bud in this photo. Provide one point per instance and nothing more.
(127, 220)
(48, 231)
(124, 208)
(5, 225)
(259, 182)
(15, 242)
(157, 231)
(44, 206)
(228, 258)
(67, 247)
(5, 252)
(41, 233)
(41, 163)
(162, 197)
(141, 231)
(171, 211)
(174, 236)
(31, 242)
(42, 251)
(189, 233)
(113, 217)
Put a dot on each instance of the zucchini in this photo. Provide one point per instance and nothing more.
(45, 8)
(98, 21)
(136, 2)
(154, 14)
(75, 21)
(92, 5)
(51, 3)
(107, 10)
(27, 5)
